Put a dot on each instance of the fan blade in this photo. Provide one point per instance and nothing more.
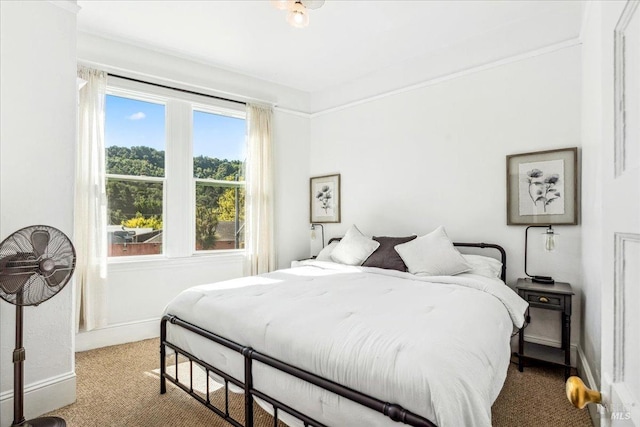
(13, 283)
(40, 240)
(58, 276)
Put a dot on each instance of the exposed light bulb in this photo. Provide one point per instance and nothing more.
(549, 243)
(298, 16)
(550, 240)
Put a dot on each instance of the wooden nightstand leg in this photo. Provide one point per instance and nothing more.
(563, 329)
(566, 338)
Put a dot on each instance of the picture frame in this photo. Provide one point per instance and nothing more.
(324, 199)
(542, 187)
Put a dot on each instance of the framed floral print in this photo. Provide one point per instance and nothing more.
(324, 195)
(542, 187)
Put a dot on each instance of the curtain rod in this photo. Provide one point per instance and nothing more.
(176, 88)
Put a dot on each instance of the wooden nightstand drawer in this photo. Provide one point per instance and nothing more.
(538, 299)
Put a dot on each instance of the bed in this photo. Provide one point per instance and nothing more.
(326, 344)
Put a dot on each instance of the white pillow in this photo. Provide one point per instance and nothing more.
(354, 248)
(432, 255)
(484, 265)
(325, 253)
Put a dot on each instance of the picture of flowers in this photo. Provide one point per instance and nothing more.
(542, 187)
(323, 196)
(325, 199)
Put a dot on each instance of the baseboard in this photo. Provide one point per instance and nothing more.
(120, 333)
(573, 348)
(40, 397)
(585, 372)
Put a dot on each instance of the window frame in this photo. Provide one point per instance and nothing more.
(202, 108)
(178, 183)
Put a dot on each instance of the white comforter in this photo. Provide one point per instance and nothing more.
(438, 346)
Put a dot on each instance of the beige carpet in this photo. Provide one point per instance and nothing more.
(117, 387)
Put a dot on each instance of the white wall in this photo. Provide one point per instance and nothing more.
(137, 292)
(436, 155)
(37, 161)
(291, 154)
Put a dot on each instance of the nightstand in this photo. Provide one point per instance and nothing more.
(548, 297)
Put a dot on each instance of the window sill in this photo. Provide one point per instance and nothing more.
(162, 261)
(136, 259)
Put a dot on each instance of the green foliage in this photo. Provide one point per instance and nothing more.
(206, 225)
(227, 204)
(213, 168)
(145, 161)
(139, 221)
(139, 204)
(128, 198)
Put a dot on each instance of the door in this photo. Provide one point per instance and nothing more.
(620, 363)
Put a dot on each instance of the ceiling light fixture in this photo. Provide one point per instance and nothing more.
(298, 10)
(282, 4)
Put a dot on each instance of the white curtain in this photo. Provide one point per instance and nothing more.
(259, 244)
(90, 233)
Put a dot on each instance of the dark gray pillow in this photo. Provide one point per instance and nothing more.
(386, 255)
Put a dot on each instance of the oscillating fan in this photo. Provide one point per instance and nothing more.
(36, 262)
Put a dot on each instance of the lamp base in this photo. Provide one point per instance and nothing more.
(547, 280)
(44, 422)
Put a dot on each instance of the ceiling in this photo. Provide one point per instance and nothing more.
(346, 41)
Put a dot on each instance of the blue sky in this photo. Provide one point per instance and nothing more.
(129, 123)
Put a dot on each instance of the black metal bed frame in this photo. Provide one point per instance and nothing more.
(503, 254)
(394, 411)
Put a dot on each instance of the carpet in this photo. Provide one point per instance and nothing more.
(185, 372)
(116, 386)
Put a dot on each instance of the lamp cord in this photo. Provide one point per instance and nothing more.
(526, 246)
(524, 326)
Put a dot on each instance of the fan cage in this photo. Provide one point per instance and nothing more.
(28, 277)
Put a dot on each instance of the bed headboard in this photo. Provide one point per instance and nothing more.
(503, 253)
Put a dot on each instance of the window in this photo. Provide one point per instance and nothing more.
(135, 147)
(218, 163)
(175, 172)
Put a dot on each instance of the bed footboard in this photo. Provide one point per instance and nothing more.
(393, 411)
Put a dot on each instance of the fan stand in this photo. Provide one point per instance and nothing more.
(18, 380)
(44, 422)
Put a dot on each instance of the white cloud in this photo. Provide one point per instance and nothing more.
(137, 116)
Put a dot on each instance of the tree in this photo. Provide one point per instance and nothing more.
(139, 221)
(206, 225)
(144, 161)
(127, 199)
(140, 204)
(227, 204)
